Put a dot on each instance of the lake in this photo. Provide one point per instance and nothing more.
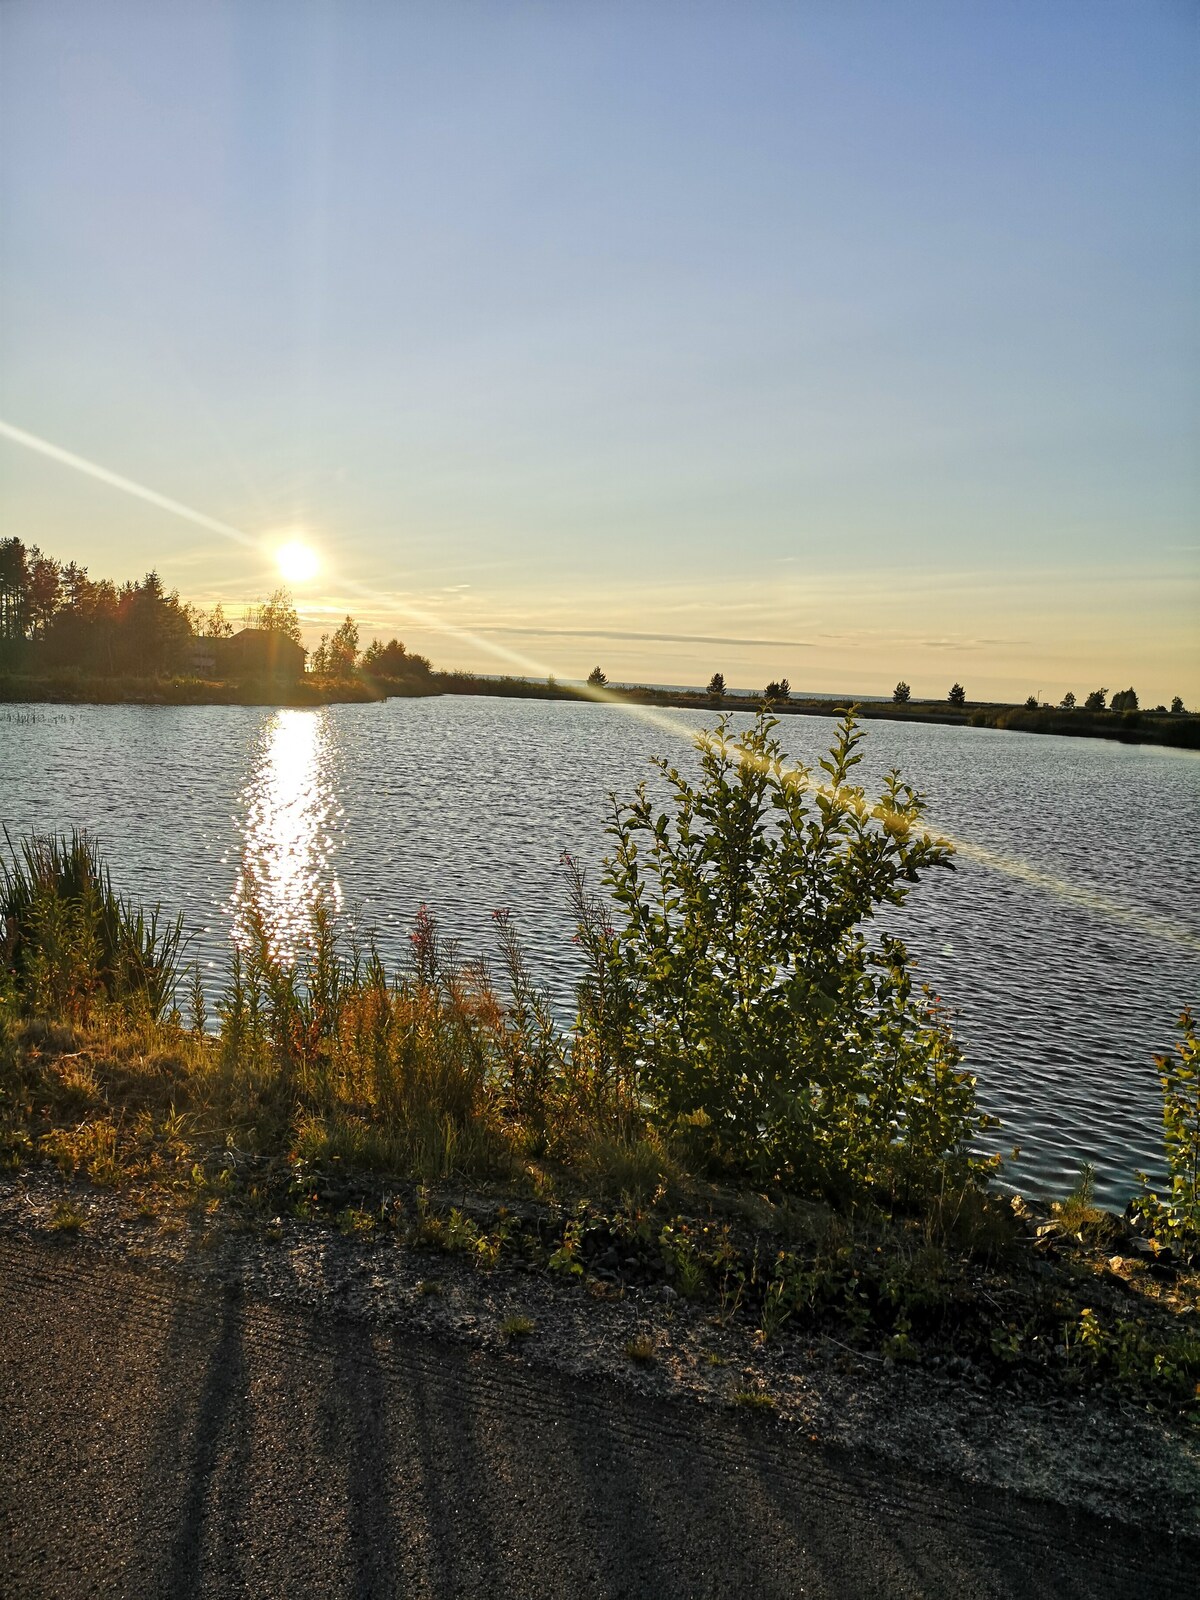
(1066, 942)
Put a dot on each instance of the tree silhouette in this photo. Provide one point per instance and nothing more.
(1125, 700)
(214, 626)
(1068, 700)
(596, 679)
(343, 648)
(278, 615)
(1177, 704)
(901, 693)
(14, 589)
(777, 690)
(1096, 701)
(958, 695)
(716, 685)
(393, 660)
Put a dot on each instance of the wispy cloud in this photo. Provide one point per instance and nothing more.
(660, 638)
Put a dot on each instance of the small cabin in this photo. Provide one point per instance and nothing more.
(252, 653)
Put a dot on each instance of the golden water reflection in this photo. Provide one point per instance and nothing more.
(290, 814)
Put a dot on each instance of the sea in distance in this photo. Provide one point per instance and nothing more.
(1065, 943)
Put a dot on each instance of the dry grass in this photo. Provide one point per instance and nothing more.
(642, 1348)
(753, 1400)
(68, 1218)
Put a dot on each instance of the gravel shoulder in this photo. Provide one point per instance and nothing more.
(207, 1412)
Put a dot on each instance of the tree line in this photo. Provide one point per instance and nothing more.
(54, 617)
(1122, 700)
(780, 690)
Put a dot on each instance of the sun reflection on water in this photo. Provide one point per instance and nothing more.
(290, 812)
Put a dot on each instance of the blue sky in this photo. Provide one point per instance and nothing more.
(637, 334)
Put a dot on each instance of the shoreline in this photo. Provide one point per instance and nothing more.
(1173, 731)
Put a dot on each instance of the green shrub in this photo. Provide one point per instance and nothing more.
(752, 1005)
(1177, 1215)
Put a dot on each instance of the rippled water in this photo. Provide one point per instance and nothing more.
(1067, 940)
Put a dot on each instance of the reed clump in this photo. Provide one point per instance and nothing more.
(69, 939)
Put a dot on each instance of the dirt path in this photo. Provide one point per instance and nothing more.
(162, 1440)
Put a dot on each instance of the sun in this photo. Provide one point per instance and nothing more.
(297, 561)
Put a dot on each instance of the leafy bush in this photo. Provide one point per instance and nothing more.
(755, 1013)
(1177, 1216)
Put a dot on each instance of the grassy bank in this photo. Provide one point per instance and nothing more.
(1036, 1302)
(755, 1108)
(84, 689)
(1129, 727)
(72, 688)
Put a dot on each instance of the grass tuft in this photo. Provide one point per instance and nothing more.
(753, 1400)
(68, 1218)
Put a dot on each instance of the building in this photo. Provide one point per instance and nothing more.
(252, 653)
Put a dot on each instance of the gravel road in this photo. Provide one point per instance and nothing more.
(163, 1439)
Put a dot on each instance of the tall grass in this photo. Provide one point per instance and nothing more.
(428, 1071)
(69, 939)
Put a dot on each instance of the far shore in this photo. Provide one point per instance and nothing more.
(1181, 730)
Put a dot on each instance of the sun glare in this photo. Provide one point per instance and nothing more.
(297, 561)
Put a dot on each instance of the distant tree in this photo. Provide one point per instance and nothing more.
(87, 631)
(152, 628)
(596, 679)
(14, 590)
(1067, 703)
(958, 695)
(1125, 700)
(44, 589)
(393, 660)
(901, 693)
(777, 690)
(1096, 701)
(1160, 711)
(1177, 705)
(343, 649)
(318, 661)
(1032, 703)
(215, 625)
(78, 590)
(278, 615)
(716, 686)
